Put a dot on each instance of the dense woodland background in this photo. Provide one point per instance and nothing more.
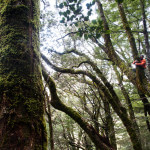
(75, 88)
(76, 50)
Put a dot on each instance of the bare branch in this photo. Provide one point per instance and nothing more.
(67, 35)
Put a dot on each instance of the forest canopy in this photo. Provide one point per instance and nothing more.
(74, 74)
(91, 64)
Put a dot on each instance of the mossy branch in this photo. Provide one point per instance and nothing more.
(97, 139)
(110, 51)
(113, 99)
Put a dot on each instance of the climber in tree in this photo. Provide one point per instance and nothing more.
(141, 64)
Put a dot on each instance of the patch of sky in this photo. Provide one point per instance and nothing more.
(52, 35)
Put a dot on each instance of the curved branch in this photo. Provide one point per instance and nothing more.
(113, 100)
(65, 52)
(97, 139)
(83, 62)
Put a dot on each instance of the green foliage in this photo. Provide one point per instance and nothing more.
(119, 1)
(72, 85)
(72, 11)
(93, 29)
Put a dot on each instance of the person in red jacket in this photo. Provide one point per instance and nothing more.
(141, 64)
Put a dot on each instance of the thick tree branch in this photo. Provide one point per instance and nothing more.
(128, 31)
(113, 99)
(97, 139)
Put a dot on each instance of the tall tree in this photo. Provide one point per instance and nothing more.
(21, 91)
(145, 32)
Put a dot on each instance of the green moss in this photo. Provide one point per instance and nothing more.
(32, 106)
(20, 71)
(16, 10)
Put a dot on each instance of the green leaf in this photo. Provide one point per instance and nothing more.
(98, 35)
(60, 13)
(100, 22)
(65, 4)
(68, 12)
(78, 10)
(72, 7)
(70, 1)
(86, 18)
(61, 5)
(88, 6)
(90, 36)
(86, 36)
(80, 32)
(119, 1)
(94, 21)
(68, 18)
(93, 2)
(89, 12)
(76, 24)
(63, 20)
(65, 14)
(107, 32)
(72, 17)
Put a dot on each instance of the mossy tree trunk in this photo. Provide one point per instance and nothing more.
(110, 131)
(21, 92)
(114, 57)
(128, 102)
(138, 79)
(145, 32)
(49, 115)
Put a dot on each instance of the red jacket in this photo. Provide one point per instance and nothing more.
(142, 63)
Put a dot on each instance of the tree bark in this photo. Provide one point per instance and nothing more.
(146, 38)
(109, 123)
(128, 31)
(21, 92)
(129, 104)
(51, 139)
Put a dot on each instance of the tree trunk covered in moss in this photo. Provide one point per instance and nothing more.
(114, 57)
(21, 92)
(141, 81)
(128, 102)
(110, 131)
(128, 31)
(145, 32)
(49, 114)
